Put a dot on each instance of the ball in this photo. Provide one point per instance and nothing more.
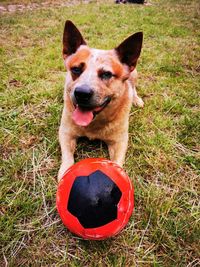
(95, 198)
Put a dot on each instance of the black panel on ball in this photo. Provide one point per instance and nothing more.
(93, 199)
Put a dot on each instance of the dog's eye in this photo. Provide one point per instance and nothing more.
(105, 75)
(76, 70)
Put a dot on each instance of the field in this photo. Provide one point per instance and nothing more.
(163, 158)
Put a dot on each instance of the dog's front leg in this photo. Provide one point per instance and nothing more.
(117, 150)
(68, 145)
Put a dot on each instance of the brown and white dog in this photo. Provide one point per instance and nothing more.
(99, 91)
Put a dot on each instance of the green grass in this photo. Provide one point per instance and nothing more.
(163, 158)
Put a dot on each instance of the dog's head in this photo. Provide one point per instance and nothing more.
(96, 77)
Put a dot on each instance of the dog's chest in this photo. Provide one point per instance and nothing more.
(97, 130)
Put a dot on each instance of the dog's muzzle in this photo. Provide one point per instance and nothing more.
(85, 108)
(102, 106)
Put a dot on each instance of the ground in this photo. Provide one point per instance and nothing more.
(163, 158)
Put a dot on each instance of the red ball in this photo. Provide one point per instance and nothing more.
(95, 198)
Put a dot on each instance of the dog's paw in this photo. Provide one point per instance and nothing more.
(63, 169)
(138, 102)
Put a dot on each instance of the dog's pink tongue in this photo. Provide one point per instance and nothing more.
(82, 118)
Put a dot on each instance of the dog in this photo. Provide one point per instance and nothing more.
(98, 94)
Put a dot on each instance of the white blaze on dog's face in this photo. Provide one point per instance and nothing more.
(95, 78)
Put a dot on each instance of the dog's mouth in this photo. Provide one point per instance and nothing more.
(83, 115)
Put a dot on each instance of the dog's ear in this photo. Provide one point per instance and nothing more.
(72, 39)
(129, 50)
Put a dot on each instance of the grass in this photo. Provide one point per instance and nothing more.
(163, 158)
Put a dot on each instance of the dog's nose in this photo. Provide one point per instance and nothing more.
(83, 94)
